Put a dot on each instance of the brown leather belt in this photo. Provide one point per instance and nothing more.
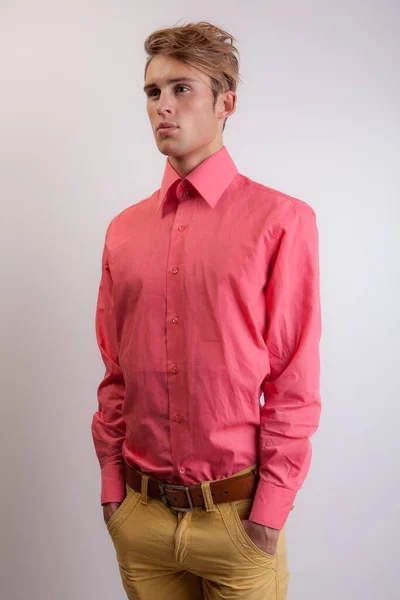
(184, 498)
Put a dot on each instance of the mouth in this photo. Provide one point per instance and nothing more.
(166, 129)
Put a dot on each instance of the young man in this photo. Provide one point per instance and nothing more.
(209, 298)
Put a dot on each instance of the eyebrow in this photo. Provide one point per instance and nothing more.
(175, 80)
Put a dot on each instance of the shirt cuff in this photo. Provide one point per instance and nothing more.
(272, 505)
(113, 487)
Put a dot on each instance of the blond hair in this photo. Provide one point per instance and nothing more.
(202, 46)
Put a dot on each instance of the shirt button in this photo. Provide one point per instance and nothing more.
(175, 269)
(186, 193)
(181, 228)
(175, 319)
(184, 183)
(174, 369)
(177, 417)
(182, 469)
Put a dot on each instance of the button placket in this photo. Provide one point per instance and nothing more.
(181, 192)
(174, 327)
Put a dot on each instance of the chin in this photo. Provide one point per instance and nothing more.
(168, 150)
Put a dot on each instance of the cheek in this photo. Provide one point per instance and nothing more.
(204, 122)
(199, 116)
(151, 112)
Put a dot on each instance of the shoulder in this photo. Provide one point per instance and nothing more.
(276, 209)
(277, 201)
(123, 221)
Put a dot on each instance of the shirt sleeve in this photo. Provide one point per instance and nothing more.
(292, 404)
(108, 425)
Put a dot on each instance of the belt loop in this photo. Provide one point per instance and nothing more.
(207, 495)
(144, 489)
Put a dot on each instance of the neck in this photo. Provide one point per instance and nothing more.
(183, 165)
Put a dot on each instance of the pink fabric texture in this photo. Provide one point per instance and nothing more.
(209, 297)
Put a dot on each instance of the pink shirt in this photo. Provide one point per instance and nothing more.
(209, 297)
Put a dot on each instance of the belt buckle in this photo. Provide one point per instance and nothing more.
(162, 487)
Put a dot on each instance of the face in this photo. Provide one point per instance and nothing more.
(187, 103)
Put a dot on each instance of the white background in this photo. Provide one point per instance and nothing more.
(317, 118)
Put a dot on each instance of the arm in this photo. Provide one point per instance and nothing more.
(108, 426)
(291, 411)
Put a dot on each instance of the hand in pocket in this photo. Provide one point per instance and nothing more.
(265, 538)
(109, 509)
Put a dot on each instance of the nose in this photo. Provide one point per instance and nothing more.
(164, 104)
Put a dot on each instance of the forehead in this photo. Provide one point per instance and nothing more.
(163, 68)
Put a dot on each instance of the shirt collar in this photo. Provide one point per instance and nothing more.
(210, 178)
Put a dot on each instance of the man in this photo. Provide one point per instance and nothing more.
(209, 298)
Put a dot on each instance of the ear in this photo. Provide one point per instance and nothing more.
(226, 104)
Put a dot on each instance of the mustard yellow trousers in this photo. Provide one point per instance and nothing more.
(202, 554)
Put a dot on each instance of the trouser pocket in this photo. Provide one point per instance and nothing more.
(241, 509)
(123, 511)
(232, 514)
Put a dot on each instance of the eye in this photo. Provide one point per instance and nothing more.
(176, 88)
